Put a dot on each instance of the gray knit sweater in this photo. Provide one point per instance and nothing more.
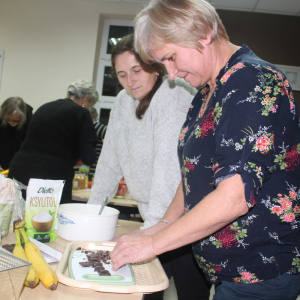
(144, 151)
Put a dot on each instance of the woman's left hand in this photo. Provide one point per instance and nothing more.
(132, 249)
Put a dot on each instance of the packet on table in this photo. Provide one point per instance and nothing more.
(42, 202)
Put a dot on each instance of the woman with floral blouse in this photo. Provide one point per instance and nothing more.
(239, 152)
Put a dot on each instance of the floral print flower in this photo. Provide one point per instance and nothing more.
(263, 143)
(268, 89)
(285, 206)
(285, 203)
(290, 158)
(246, 276)
(289, 217)
(232, 70)
(277, 210)
(207, 125)
(209, 268)
(226, 237)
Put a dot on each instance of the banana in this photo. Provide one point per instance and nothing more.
(5, 172)
(32, 278)
(34, 255)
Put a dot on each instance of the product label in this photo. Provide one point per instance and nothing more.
(43, 238)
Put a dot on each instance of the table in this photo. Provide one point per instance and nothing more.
(127, 206)
(64, 292)
(84, 195)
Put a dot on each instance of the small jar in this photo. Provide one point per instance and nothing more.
(75, 181)
(81, 181)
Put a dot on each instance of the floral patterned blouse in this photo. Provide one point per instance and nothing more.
(250, 127)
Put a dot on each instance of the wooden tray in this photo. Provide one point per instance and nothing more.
(150, 277)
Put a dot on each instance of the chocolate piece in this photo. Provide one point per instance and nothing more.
(92, 255)
(96, 259)
(104, 273)
(85, 264)
(99, 268)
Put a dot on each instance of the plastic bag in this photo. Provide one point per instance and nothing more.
(19, 202)
(7, 194)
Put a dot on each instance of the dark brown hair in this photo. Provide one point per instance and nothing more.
(127, 44)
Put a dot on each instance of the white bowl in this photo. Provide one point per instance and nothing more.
(81, 222)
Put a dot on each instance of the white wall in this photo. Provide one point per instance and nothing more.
(48, 44)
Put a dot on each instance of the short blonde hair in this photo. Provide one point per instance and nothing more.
(178, 22)
(14, 105)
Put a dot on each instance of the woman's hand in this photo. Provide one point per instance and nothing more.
(149, 231)
(132, 249)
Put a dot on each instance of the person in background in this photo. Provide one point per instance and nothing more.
(140, 145)
(100, 132)
(15, 116)
(60, 132)
(239, 151)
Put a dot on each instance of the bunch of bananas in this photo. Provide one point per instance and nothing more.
(39, 270)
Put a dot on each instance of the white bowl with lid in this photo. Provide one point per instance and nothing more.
(81, 222)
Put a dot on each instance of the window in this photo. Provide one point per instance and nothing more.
(107, 84)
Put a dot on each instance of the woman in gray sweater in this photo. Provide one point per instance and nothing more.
(141, 146)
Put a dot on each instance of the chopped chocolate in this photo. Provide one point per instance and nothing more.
(85, 264)
(104, 273)
(96, 259)
(92, 255)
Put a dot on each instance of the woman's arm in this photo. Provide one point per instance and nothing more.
(216, 210)
(174, 212)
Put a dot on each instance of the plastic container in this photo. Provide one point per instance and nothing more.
(149, 276)
(81, 222)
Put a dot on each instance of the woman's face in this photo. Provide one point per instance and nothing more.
(193, 66)
(136, 77)
(13, 120)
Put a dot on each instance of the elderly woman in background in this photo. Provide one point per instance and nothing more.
(140, 145)
(239, 149)
(15, 116)
(59, 134)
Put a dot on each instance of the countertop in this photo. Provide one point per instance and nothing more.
(64, 292)
(84, 195)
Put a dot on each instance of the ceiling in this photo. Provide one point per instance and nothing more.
(281, 7)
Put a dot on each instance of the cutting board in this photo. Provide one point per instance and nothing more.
(123, 276)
